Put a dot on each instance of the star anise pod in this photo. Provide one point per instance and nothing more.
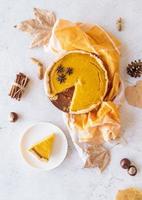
(135, 69)
(69, 70)
(119, 24)
(60, 69)
(61, 78)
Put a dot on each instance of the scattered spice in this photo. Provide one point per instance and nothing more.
(40, 68)
(61, 78)
(125, 163)
(40, 27)
(69, 70)
(132, 171)
(13, 117)
(63, 72)
(119, 24)
(60, 69)
(19, 86)
(134, 69)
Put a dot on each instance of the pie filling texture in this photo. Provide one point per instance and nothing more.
(129, 194)
(88, 77)
(43, 148)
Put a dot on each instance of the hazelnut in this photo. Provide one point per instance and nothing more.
(132, 171)
(125, 163)
(13, 117)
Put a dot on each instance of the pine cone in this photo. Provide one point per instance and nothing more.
(135, 69)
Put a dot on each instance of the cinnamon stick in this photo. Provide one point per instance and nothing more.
(18, 86)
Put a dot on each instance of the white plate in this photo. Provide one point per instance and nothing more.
(36, 133)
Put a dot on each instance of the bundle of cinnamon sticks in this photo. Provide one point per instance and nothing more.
(18, 86)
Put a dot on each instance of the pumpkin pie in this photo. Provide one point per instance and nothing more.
(92, 38)
(43, 148)
(80, 74)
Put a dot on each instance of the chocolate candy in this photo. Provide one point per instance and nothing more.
(132, 171)
(125, 163)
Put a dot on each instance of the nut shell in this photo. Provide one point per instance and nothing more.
(13, 117)
(125, 163)
(132, 171)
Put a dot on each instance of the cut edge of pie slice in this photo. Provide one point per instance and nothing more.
(80, 94)
(43, 149)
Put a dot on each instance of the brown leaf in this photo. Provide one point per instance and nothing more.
(28, 26)
(45, 18)
(134, 94)
(98, 156)
(40, 27)
(40, 39)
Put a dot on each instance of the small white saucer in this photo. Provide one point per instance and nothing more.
(36, 133)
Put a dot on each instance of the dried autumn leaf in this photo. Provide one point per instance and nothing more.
(40, 27)
(134, 94)
(28, 26)
(41, 38)
(45, 18)
(98, 156)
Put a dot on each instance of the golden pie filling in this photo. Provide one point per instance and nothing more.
(43, 148)
(84, 72)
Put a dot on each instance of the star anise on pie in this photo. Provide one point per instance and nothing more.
(61, 78)
(60, 69)
(69, 70)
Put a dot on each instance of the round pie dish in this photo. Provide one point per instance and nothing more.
(76, 82)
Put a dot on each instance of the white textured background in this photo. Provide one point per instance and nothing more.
(69, 181)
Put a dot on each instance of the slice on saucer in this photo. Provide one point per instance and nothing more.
(43, 148)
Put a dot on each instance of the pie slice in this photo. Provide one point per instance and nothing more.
(82, 71)
(43, 148)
